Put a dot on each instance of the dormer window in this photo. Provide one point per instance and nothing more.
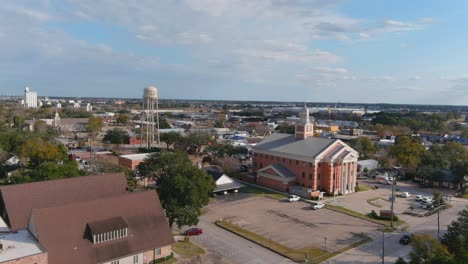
(107, 230)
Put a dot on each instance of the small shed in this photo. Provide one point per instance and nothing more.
(224, 184)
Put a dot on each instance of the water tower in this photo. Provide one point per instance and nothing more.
(150, 100)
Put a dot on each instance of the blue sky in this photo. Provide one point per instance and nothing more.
(283, 50)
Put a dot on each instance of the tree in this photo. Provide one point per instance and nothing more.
(285, 128)
(170, 138)
(123, 119)
(184, 190)
(157, 164)
(456, 238)
(364, 146)
(229, 164)
(401, 260)
(455, 153)
(116, 136)
(53, 171)
(40, 126)
(427, 249)
(37, 151)
(408, 153)
(94, 125)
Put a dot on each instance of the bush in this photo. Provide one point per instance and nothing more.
(161, 260)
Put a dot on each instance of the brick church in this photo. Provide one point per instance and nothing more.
(316, 164)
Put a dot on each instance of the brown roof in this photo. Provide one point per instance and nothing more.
(107, 225)
(61, 230)
(18, 200)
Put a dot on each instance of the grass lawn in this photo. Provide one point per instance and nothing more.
(187, 249)
(260, 191)
(373, 203)
(314, 254)
(362, 216)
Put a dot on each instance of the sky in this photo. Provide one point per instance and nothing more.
(369, 51)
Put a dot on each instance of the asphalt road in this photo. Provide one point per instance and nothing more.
(371, 252)
(234, 248)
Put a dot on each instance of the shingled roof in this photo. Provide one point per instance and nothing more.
(288, 144)
(61, 230)
(17, 201)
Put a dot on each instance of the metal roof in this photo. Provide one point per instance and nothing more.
(288, 144)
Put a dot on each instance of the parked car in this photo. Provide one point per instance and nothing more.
(294, 198)
(193, 232)
(427, 199)
(318, 206)
(425, 205)
(419, 197)
(406, 239)
(405, 194)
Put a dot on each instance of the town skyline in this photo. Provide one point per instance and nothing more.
(319, 51)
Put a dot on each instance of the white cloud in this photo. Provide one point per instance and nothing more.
(191, 38)
(415, 78)
(288, 52)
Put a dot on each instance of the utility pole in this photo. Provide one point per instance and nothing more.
(393, 200)
(383, 245)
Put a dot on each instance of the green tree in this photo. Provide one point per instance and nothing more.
(456, 238)
(285, 128)
(94, 125)
(426, 249)
(123, 119)
(184, 190)
(37, 151)
(53, 171)
(364, 146)
(408, 153)
(40, 127)
(455, 153)
(116, 136)
(170, 138)
(401, 260)
(157, 164)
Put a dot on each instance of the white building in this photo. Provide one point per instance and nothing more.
(30, 98)
(89, 107)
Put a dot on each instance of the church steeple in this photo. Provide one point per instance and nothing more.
(304, 128)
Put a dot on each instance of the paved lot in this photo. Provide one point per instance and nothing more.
(292, 224)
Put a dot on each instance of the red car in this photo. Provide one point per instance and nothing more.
(193, 232)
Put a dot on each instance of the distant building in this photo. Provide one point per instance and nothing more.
(30, 98)
(89, 107)
(282, 161)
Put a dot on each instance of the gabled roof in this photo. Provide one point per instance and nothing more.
(226, 182)
(61, 230)
(280, 170)
(20, 199)
(288, 144)
(215, 174)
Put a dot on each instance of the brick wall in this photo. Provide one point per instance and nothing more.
(37, 259)
(273, 184)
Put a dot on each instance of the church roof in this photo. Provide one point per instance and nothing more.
(288, 144)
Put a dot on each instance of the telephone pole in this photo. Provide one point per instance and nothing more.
(393, 200)
(383, 245)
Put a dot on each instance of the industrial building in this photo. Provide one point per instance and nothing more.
(30, 98)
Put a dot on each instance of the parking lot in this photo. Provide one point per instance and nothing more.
(294, 225)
